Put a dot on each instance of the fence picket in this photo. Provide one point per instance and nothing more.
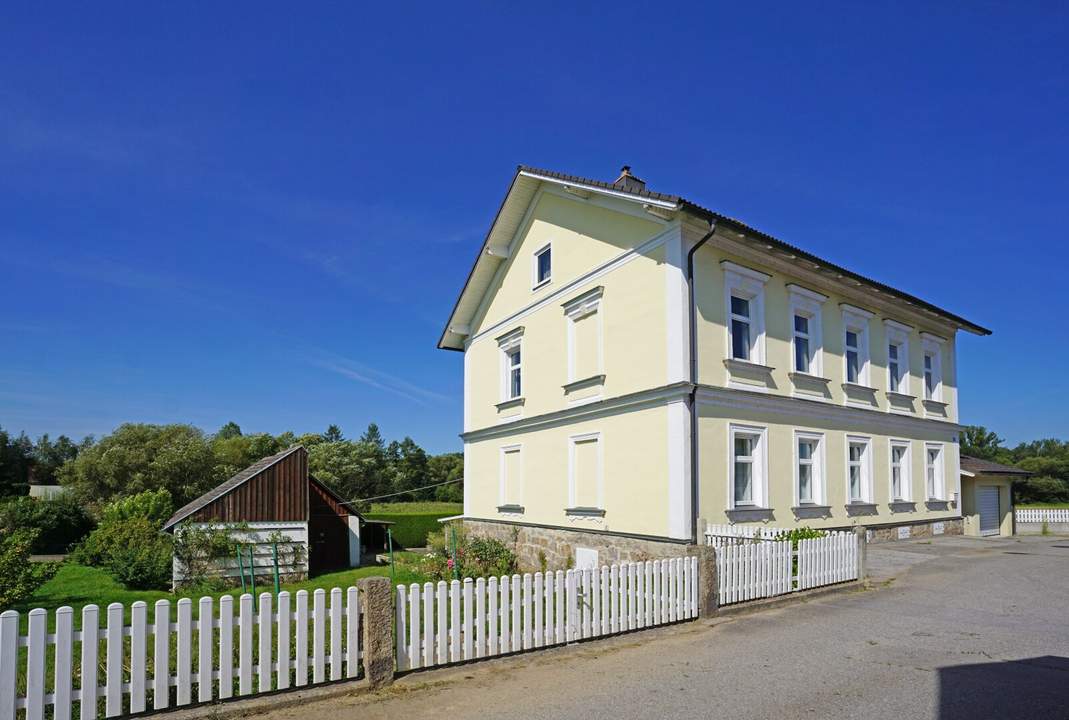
(480, 617)
(263, 636)
(538, 599)
(62, 683)
(37, 645)
(515, 620)
(604, 593)
(548, 635)
(414, 628)
(528, 620)
(283, 628)
(400, 632)
(352, 631)
(503, 618)
(319, 632)
(468, 612)
(454, 621)
(245, 613)
(492, 618)
(9, 648)
(300, 638)
(427, 633)
(335, 634)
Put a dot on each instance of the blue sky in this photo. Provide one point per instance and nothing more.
(263, 212)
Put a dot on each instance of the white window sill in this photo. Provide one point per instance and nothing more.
(900, 397)
(584, 383)
(737, 366)
(590, 512)
(539, 286)
(510, 509)
(849, 387)
(511, 403)
(801, 377)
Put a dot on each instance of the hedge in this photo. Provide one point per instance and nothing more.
(410, 529)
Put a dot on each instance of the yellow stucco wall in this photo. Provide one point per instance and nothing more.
(631, 314)
(970, 511)
(634, 448)
(713, 337)
(714, 461)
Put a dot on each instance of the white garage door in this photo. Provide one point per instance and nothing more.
(987, 500)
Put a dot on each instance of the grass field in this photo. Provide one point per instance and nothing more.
(413, 521)
(1042, 506)
(78, 585)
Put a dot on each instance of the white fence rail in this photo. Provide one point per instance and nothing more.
(749, 568)
(130, 666)
(1040, 515)
(459, 621)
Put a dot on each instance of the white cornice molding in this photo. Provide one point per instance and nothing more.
(933, 338)
(594, 189)
(609, 406)
(745, 271)
(806, 293)
(888, 322)
(855, 310)
(787, 405)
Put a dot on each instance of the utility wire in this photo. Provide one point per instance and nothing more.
(405, 492)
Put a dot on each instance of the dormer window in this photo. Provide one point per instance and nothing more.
(543, 266)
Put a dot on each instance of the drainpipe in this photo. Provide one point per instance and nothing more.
(693, 310)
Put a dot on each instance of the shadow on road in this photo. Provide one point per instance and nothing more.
(1033, 688)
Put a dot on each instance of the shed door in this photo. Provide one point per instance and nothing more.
(990, 517)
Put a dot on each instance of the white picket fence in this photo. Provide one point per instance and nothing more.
(143, 661)
(1041, 515)
(750, 565)
(471, 619)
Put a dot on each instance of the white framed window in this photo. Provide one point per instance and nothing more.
(856, 345)
(933, 471)
(858, 469)
(808, 468)
(933, 367)
(511, 346)
(744, 300)
(748, 462)
(807, 330)
(542, 266)
(901, 489)
(510, 479)
(897, 357)
(586, 486)
(584, 335)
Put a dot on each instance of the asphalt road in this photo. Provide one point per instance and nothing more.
(967, 628)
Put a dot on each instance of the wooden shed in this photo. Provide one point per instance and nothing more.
(277, 497)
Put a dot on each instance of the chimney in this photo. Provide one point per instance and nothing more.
(628, 182)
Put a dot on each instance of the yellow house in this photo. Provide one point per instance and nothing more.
(637, 367)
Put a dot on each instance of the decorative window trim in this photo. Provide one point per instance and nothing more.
(933, 348)
(939, 494)
(573, 508)
(750, 285)
(866, 469)
(535, 283)
(856, 320)
(818, 473)
(578, 308)
(808, 304)
(506, 344)
(515, 505)
(759, 471)
(906, 467)
(897, 334)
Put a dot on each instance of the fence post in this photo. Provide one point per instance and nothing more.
(862, 550)
(708, 593)
(376, 595)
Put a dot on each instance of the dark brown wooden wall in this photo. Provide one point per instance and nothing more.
(279, 492)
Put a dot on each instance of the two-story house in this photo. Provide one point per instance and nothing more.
(636, 365)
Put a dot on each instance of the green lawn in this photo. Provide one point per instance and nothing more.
(1042, 506)
(413, 521)
(78, 585)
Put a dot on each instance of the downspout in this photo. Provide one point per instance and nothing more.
(693, 310)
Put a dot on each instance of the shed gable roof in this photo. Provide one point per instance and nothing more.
(522, 189)
(230, 485)
(978, 466)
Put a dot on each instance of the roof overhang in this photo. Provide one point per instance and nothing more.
(523, 187)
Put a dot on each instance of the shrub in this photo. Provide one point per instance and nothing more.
(60, 522)
(475, 556)
(20, 576)
(140, 557)
(156, 506)
(802, 533)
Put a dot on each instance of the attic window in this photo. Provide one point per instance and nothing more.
(543, 266)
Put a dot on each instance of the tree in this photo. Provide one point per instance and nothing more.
(138, 457)
(333, 434)
(353, 470)
(48, 457)
(979, 442)
(444, 468)
(21, 577)
(16, 459)
(373, 436)
(230, 430)
(409, 468)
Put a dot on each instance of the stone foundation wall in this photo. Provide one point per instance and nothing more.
(539, 548)
(923, 529)
(1053, 528)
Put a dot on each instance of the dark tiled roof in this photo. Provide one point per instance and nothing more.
(218, 491)
(740, 226)
(986, 467)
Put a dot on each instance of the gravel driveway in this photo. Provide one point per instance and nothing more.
(953, 628)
